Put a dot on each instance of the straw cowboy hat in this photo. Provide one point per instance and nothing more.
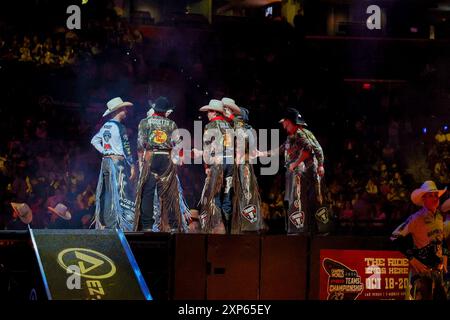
(294, 116)
(214, 105)
(426, 187)
(23, 211)
(62, 211)
(115, 104)
(230, 104)
(445, 206)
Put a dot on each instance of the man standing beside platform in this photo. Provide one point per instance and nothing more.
(421, 239)
(160, 205)
(114, 205)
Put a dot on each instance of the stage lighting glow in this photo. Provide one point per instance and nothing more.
(445, 127)
(424, 130)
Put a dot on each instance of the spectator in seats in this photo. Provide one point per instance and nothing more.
(379, 217)
(363, 211)
(299, 24)
(22, 217)
(372, 188)
(346, 215)
(60, 217)
(393, 134)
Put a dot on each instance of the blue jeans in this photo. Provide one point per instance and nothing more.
(223, 200)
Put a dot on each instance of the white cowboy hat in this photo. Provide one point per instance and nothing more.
(115, 104)
(23, 211)
(214, 105)
(445, 206)
(426, 187)
(62, 211)
(228, 102)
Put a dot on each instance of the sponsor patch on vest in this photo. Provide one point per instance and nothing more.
(159, 136)
(322, 215)
(249, 213)
(298, 219)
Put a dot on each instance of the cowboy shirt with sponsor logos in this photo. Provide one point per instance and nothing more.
(157, 133)
(112, 139)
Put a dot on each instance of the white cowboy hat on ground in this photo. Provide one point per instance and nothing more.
(214, 105)
(228, 102)
(115, 104)
(445, 206)
(62, 211)
(426, 187)
(23, 211)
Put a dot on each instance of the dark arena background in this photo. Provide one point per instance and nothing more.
(376, 96)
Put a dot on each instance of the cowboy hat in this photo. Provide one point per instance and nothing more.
(426, 187)
(244, 114)
(115, 104)
(230, 104)
(445, 206)
(214, 105)
(23, 211)
(62, 211)
(162, 104)
(294, 116)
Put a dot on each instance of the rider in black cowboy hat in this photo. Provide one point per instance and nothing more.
(304, 161)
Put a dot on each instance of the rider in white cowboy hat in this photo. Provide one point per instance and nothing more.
(113, 194)
(214, 105)
(116, 104)
(425, 250)
(216, 202)
(230, 108)
(246, 198)
(22, 216)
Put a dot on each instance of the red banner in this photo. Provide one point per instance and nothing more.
(363, 275)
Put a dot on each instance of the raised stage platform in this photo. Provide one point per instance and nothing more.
(238, 267)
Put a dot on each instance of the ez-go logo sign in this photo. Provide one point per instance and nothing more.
(89, 264)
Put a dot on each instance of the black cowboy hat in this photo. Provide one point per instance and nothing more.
(162, 104)
(294, 116)
(244, 114)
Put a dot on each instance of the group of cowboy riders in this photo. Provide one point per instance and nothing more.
(230, 201)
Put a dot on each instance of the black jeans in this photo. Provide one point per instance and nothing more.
(159, 165)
